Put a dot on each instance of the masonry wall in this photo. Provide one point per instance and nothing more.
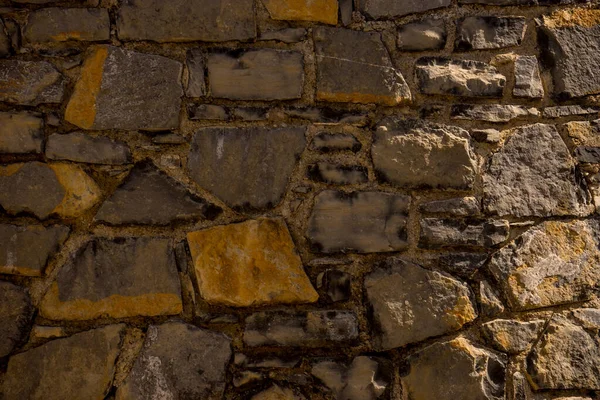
(299, 199)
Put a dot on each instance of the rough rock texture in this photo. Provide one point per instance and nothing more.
(336, 284)
(80, 147)
(392, 8)
(528, 82)
(277, 392)
(411, 303)
(195, 63)
(492, 112)
(437, 232)
(512, 336)
(428, 34)
(62, 24)
(16, 313)
(21, 132)
(328, 142)
(458, 206)
(338, 174)
(566, 111)
(249, 264)
(325, 11)
(480, 33)
(30, 82)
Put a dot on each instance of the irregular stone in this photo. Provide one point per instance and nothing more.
(251, 113)
(533, 175)
(149, 196)
(62, 24)
(436, 233)
(521, 388)
(467, 78)
(246, 377)
(288, 35)
(461, 264)
(263, 74)
(476, 373)
(30, 82)
(512, 336)
(303, 328)
(363, 222)
(41, 334)
(47, 189)
(81, 147)
(330, 142)
(480, 33)
(246, 167)
(325, 11)
(16, 314)
(25, 250)
(416, 153)
(195, 63)
(458, 206)
(346, 11)
(561, 358)
(366, 378)
(109, 278)
(355, 67)
(336, 284)
(207, 112)
(327, 115)
(392, 8)
(552, 263)
(589, 318)
(338, 174)
(186, 20)
(584, 133)
(490, 136)
(124, 89)
(21, 132)
(585, 154)
(276, 392)
(168, 138)
(567, 111)
(252, 263)
(426, 34)
(492, 112)
(178, 361)
(411, 303)
(488, 298)
(528, 82)
(78, 367)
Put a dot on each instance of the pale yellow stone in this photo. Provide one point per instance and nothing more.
(325, 11)
(249, 264)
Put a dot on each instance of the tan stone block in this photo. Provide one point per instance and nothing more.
(325, 11)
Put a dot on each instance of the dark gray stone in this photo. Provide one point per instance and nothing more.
(169, 138)
(528, 82)
(463, 265)
(179, 361)
(186, 20)
(587, 154)
(346, 11)
(81, 147)
(149, 196)
(458, 206)
(567, 111)
(437, 233)
(355, 67)
(363, 222)
(289, 35)
(207, 112)
(393, 8)
(489, 299)
(30, 82)
(329, 142)
(338, 174)
(467, 78)
(16, 313)
(251, 113)
(335, 284)
(246, 167)
(480, 33)
(21, 132)
(511, 336)
(196, 84)
(492, 112)
(426, 34)
(5, 41)
(62, 24)
(25, 250)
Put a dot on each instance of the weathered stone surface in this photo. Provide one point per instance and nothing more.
(363, 222)
(47, 189)
(480, 33)
(5, 41)
(338, 174)
(62, 24)
(25, 250)
(427, 34)
(476, 373)
(186, 20)
(124, 89)
(583, 133)
(585, 154)
(492, 112)
(195, 63)
(436, 233)
(288, 35)
(366, 378)
(445, 76)
(461, 264)
(149, 196)
(304, 328)
(78, 367)
(81, 147)
(533, 175)
(393, 8)
(252, 263)
(355, 67)
(21, 132)
(528, 82)
(263, 74)
(589, 318)
(337, 285)
(328, 115)
(491, 136)
(415, 153)
(552, 263)
(566, 111)
(207, 112)
(178, 361)
(330, 142)
(30, 82)
(488, 298)
(16, 313)
(246, 167)
(277, 392)
(562, 359)
(458, 206)
(512, 336)
(411, 303)
(325, 11)
(118, 278)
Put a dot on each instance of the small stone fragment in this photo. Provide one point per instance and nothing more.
(522, 389)
(325, 11)
(40, 334)
(78, 367)
(251, 113)
(81, 147)
(168, 138)
(30, 82)
(195, 63)
(492, 112)
(426, 34)
(378, 9)
(212, 112)
(461, 264)
(490, 302)
(338, 174)
(288, 35)
(458, 206)
(276, 392)
(253, 263)
(512, 336)
(21, 132)
(62, 24)
(5, 41)
(303, 328)
(480, 33)
(336, 284)
(589, 318)
(567, 111)
(436, 233)
(363, 222)
(411, 303)
(584, 133)
(178, 361)
(110, 278)
(355, 67)
(16, 313)
(330, 142)
(246, 377)
(528, 82)
(490, 136)
(467, 78)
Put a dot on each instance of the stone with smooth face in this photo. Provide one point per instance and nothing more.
(511, 336)
(5, 41)
(81, 147)
(62, 24)
(195, 63)
(253, 263)
(325, 11)
(363, 222)
(489, 32)
(355, 67)
(528, 82)
(30, 82)
(186, 20)
(123, 277)
(21, 132)
(427, 34)
(16, 313)
(124, 89)
(411, 303)
(379, 9)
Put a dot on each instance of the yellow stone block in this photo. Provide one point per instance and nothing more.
(325, 11)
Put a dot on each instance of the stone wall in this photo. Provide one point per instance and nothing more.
(296, 199)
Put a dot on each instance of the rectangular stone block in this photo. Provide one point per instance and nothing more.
(62, 24)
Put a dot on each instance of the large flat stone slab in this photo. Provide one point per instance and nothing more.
(16, 314)
(30, 82)
(81, 147)
(380, 9)
(489, 32)
(63, 24)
